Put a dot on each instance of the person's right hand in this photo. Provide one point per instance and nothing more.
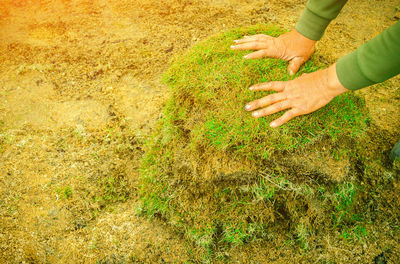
(291, 46)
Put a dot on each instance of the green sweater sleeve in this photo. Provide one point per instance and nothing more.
(374, 62)
(317, 16)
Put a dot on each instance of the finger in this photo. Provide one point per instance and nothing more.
(254, 45)
(259, 37)
(269, 86)
(284, 118)
(267, 52)
(272, 109)
(255, 55)
(294, 65)
(265, 101)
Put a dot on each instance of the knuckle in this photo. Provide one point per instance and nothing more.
(280, 105)
(257, 45)
(273, 42)
(272, 98)
(291, 97)
(280, 86)
(252, 45)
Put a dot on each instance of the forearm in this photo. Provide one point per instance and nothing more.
(317, 16)
(374, 62)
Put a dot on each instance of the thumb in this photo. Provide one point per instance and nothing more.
(294, 65)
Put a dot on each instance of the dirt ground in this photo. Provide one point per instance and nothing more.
(79, 92)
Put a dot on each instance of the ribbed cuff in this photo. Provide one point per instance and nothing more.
(311, 25)
(350, 73)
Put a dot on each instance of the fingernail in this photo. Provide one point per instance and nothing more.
(251, 88)
(246, 56)
(247, 107)
(291, 72)
(273, 124)
(232, 47)
(246, 36)
(236, 41)
(256, 114)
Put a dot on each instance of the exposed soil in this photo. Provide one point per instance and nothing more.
(79, 93)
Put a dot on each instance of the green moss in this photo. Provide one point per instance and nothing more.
(187, 173)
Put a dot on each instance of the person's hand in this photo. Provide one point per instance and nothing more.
(292, 47)
(302, 95)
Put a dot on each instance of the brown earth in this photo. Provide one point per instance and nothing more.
(79, 93)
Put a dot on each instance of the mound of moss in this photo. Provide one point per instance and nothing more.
(222, 177)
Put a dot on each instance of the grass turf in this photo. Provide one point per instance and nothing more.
(214, 172)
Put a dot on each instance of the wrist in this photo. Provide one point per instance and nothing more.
(303, 39)
(335, 87)
(312, 25)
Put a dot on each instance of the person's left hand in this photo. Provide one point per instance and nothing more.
(302, 95)
(292, 47)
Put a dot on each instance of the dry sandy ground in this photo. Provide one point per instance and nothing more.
(79, 93)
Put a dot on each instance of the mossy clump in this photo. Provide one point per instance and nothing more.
(221, 176)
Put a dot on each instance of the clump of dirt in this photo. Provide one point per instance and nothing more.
(228, 179)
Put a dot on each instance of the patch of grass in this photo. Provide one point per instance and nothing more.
(65, 192)
(203, 237)
(263, 190)
(5, 137)
(302, 234)
(357, 232)
(222, 177)
(113, 190)
(344, 197)
(237, 235)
